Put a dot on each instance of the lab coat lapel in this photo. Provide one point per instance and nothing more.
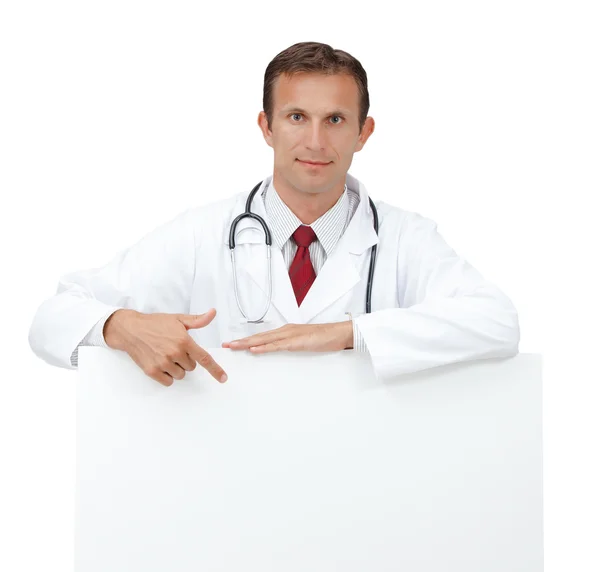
(340, 272)
(337, 276)
(251, 258)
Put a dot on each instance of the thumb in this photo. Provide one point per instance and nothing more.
(191, 321)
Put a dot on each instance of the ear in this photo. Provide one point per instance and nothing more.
(263, 124)
(367, 129)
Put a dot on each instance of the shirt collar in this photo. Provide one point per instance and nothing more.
(283, 222)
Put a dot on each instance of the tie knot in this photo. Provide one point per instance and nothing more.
(304, 236)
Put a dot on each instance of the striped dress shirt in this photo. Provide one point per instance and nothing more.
(283, 222)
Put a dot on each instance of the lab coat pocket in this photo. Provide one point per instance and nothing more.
(244, 329)
(253, 301)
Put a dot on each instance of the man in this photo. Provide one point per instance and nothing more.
(172, 294)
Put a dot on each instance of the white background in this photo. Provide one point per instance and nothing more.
(116, 116)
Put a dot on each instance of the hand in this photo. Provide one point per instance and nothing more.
(298, 337)
(160, 344)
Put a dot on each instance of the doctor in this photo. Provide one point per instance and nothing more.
(169, 298)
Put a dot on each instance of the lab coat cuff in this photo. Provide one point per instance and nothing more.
(91, 307)
(95, 336)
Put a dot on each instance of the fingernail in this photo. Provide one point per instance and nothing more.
(224, 378)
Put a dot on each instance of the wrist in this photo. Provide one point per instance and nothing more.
(113, 330)
(347, 334)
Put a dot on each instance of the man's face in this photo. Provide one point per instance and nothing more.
(315, 118)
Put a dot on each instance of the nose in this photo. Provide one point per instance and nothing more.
(316, 137)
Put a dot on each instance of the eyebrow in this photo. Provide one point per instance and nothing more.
(338, 111)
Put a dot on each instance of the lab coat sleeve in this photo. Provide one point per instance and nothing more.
(153, 275)
(450, 313)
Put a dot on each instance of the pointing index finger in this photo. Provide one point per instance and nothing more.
(206, 361)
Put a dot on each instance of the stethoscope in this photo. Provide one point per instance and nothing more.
(269, 242)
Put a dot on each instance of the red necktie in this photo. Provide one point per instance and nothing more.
(302, 273)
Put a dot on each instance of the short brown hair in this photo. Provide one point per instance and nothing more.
(315, 57)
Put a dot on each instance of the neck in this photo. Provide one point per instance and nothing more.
(308, 207)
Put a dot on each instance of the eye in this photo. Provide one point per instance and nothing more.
(339, 117)
(294, 114)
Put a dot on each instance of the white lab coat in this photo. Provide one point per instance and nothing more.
(430, 307)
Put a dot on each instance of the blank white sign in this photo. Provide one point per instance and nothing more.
(308, 462)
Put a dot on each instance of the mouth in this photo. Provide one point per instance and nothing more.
(313, 163)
